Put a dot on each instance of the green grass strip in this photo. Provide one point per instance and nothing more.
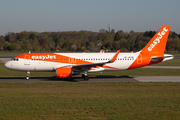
(111, 101)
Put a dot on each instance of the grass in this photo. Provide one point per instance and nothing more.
(10, 53)
(112, 101)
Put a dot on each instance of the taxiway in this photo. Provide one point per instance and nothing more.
(93, 79)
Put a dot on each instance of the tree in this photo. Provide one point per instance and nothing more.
(5, 47)
(102, 36)
(99, 45)
(32, 36)
(43, 43)
(73, 48)
(24, 35)
(122, 44)
(102, 31)
(60, 41)
(10, 37)
(35, 45)
(108, 45)
(149, 33)
(12, 47)
(173, 35)
(131, 42)
(117, 36)
(91, 46)
(2, 42)
(26, 45)
(112, 31)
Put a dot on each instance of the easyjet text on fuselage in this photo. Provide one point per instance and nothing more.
(43, 57)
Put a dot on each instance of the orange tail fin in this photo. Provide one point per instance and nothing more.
(158, 43)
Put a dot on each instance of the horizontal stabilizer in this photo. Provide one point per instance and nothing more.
(166, 56)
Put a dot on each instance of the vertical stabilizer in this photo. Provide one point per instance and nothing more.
(158, 43)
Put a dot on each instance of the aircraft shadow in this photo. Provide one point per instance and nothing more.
(72, 79)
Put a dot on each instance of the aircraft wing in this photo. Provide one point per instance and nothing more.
(94, 64)
(98, 64)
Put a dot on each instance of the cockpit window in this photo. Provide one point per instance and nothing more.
(14, 59)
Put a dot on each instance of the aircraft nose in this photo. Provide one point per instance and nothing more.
(7, 65)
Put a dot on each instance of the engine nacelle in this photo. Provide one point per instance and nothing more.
(64, 72)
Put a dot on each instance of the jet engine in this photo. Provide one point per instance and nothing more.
(66, 72)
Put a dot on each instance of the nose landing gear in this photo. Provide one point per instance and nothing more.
(27, 75)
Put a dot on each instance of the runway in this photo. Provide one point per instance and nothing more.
(92, 79)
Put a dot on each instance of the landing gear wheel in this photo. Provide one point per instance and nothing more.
(27, 76)
(85, 77)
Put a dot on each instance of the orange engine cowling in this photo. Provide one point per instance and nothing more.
(64, 72)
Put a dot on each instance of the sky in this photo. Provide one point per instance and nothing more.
(91, 15)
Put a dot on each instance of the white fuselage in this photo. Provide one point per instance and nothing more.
(123, 61)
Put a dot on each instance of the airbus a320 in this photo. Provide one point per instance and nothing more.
(68, 64)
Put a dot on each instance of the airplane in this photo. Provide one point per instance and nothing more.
(68, 64)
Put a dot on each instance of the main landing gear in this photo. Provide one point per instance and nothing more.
(85, 76)
(27, 75)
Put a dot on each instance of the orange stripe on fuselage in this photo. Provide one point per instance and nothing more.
(52, 57)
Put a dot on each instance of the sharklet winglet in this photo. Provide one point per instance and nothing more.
(114, 57)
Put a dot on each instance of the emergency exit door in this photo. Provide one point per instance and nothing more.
(27, 60)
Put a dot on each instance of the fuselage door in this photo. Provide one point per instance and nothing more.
(27, 60)
(72, 60)
(139, 59)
